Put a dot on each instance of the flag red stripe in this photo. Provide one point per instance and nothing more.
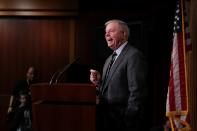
(172, 106)
(182, 71)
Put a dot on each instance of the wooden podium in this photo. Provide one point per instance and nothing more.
(63, 107)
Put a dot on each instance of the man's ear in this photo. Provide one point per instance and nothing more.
(125, 35)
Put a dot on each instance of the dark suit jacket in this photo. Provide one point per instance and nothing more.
(123, 95)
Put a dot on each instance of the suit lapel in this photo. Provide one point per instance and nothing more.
(114, 66)
(105, 67)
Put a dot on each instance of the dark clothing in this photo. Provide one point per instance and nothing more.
(123, 95)
(21, 119)
(21, 86)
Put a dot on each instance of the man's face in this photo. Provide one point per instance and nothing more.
(30, 74)
(114, 35)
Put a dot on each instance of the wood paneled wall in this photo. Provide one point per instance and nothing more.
(193, 90)
(34, 32)
(38, 7)
(42, 42)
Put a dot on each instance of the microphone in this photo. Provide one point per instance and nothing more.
(64, 69)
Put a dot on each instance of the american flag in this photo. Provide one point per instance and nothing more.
(177, 97)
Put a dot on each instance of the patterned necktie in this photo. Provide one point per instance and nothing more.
(109, 67)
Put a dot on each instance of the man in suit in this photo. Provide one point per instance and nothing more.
(122, 88)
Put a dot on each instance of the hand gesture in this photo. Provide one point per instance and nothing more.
(95, 76)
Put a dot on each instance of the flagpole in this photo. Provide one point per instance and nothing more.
(184, 51)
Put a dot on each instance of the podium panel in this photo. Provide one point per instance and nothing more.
(63, 107)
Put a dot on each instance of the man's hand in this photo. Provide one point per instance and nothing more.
(9, 109)
(95, 76)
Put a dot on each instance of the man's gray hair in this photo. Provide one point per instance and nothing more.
(121, 23)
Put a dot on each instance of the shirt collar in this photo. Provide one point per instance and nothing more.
(119, 50)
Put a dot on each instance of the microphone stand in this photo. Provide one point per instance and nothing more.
(61, 72)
